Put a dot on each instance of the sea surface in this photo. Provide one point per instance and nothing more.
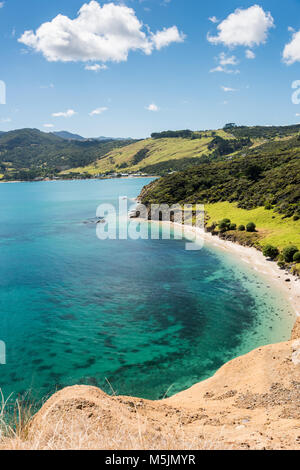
(139, 317)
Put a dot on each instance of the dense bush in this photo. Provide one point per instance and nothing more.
(241, 228)
(232, 227)
(185, 134)
(296, 257)
(251, 227)
(289, 252)
(270, 251)
(224, 225)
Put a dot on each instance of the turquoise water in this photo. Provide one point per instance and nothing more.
(146, 316)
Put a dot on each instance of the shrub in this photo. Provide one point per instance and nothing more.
(296, 217)
(251, 227)
(224, 224)
(232, 227)
(268, 207)
(270, 251)
(296, 257)
(281, 262)
(242, 228)
(288, 253)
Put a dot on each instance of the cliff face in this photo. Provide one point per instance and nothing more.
(251, 402)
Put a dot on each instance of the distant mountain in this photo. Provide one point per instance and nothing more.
(102, 138)
(68, 135)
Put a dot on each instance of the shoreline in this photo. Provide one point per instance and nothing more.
(256, 260)
(80, 179)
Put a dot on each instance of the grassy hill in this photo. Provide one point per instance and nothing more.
(29, 153)
(157, 155)
(173, 151)
(259, 184)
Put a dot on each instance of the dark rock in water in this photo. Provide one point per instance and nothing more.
(94, 221)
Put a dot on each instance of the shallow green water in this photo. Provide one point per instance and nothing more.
(147, 315)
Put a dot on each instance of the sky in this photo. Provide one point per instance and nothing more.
(130, 68)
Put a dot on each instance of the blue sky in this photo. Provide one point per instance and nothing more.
(161, 65)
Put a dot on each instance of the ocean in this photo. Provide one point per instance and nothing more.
(133, 317)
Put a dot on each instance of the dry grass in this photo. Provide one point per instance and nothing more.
(76, 429)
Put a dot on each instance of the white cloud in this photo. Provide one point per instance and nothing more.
(106, 33)
(65, 114)
(6, 120)
(247, 27)
(291, 52)
(250, 54)
(225, 60)
(98, 111)
(219, 68)
(2, 4)
(48, 126)
(96, 67)
(228, 89)
(165, 37)
(152, 107)
(213, 19)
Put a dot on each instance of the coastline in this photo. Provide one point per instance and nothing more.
(280, 278)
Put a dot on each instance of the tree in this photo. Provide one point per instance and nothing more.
(253, 172)
(296, 257)
(270, 251)
(289, 252)
(224, 225)
(251, 227)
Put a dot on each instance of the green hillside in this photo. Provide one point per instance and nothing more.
(260, 184)
(160, 155)
(26, 154)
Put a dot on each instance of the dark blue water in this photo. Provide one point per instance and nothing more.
(147, 316)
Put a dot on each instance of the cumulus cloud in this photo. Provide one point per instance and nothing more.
(165, 37)
(98, 111)
(96, 67)
(250, 54)
(66, 114)
(291, 52)
(98, 33)
(213, 19)
(152, 107)
(248, 27)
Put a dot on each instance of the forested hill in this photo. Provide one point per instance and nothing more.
(29, 153)
(266, 175)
